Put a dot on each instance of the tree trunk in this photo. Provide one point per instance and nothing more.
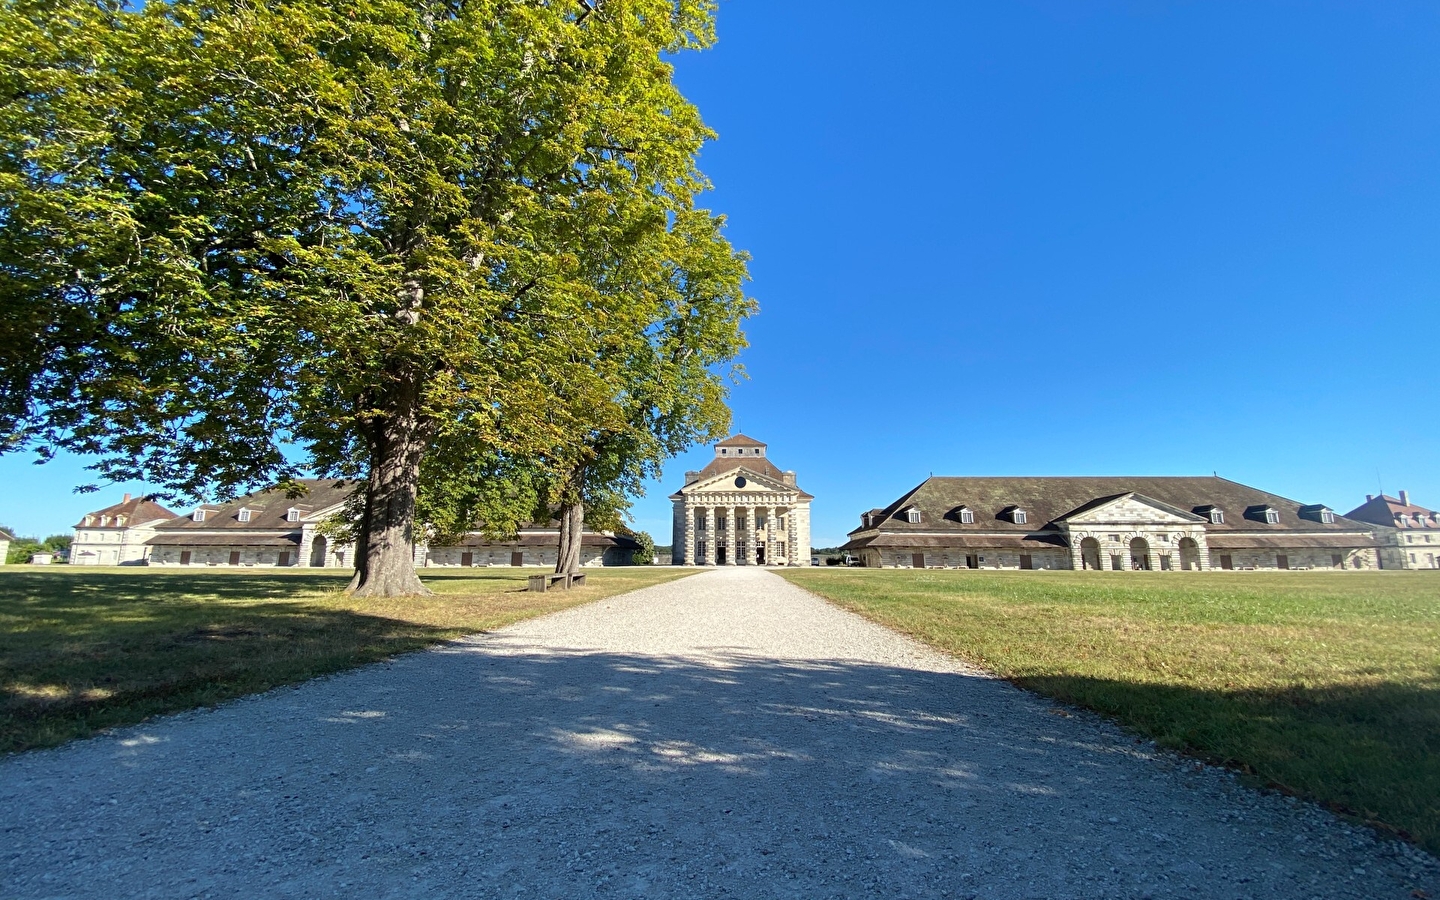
(572, 526)
(385, 544)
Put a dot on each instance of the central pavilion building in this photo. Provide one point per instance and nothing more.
(740, 510)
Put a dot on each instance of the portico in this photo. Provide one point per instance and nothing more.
(740, 510)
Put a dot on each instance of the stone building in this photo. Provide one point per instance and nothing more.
(117, 534)
(740, 510)
(1409, 535)
(5, 539)
(267, 528)
(1121, 523)
(533, 545)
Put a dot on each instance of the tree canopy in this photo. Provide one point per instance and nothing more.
(441, 248)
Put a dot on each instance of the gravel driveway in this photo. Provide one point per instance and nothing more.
(724, 735)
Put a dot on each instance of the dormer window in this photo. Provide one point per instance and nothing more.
(1318, 513)
(912, 516)
(1015, 514)
(1213, 514)
(1267, 514)
(119, 521)
(198, 515)
(243, 515)
(104, 521)
(89, 520)
(292, 515)
(1327, 517)
(966, 515)
(1419, 520)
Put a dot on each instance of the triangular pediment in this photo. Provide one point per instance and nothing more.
(1131, 508)
(727, 482)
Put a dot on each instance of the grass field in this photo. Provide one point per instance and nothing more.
(1326, 685)
(88, 648)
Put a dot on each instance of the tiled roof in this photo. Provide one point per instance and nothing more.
(1047, 500)
(1383, 509)
(267, 508)
(740, 440)
(5, 535)
(135, 510)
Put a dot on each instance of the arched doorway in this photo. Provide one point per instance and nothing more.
(1090, 554)
(1140, 554)
(317, 553)
(1189, 555)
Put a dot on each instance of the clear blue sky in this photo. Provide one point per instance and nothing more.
(1065, 238)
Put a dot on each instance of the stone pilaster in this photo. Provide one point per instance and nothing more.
(769, 535)
(710, 542)
(792, 539)
(730, 528)
(689, 546)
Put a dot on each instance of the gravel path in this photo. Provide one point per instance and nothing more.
(724, 735)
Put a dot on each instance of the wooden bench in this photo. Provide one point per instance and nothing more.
(543, 583)
(553, 581)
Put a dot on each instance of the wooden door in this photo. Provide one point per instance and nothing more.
(517, 558)
(184, 557)
(1226, 561)
(1337, 560)
(972, 561)
(467, 559)
(1282, 561)
(1027, 561)
(284, 559)
(234, 557)
(917, 560)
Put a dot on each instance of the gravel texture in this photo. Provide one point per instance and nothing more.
(724, 735)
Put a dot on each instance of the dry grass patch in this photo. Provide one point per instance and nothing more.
(1327, 685)
(85, 648)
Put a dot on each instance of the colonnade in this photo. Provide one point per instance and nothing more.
(741, 535)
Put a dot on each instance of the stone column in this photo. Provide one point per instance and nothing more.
(792, 548)
(745, 536)
(710, 542)
(689, 529)
(730, 527)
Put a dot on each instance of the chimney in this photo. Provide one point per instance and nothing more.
(1404, 498)
(692, 477)
(1369, 497)
(127, 499)
(788, 478)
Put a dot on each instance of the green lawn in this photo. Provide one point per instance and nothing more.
(1327, 685)
(89, 648)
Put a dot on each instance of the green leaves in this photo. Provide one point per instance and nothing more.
(239, 241)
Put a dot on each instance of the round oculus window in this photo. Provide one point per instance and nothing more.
(740, 481)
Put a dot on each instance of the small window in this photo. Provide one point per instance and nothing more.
(119, 521)
(104, 521)
(292, 515)
(89, 520)
(724, 452)
(198, 516)
(967, 516)
(1217, 517)
(1327, 517)
(912, 516)
(1419, 521)
(1272, 517)
(244, 515)
(1019, 517)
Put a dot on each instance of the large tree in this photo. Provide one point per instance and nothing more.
(377, 240)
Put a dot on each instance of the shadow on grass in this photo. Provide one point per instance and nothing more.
(1371, 751)
(80, 651)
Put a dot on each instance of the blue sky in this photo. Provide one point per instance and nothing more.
(1064, 238)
